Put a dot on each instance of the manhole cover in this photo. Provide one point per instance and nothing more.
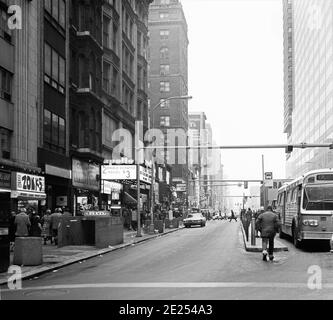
(47, 292)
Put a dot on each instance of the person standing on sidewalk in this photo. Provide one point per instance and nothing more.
(46, 222)
(268, 224)
(55, 220)
(22, 223)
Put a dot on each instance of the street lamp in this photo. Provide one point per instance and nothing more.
(152, 189)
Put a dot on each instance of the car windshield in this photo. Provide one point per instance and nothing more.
(195, 215)
(318, 197)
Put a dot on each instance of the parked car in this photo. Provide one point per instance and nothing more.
(217, 217)
(195, 219)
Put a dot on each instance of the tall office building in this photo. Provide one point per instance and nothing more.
(168, 75)
(308, 34)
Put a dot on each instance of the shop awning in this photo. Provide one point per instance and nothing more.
(128, 199)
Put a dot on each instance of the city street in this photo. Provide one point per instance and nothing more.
(198, 263)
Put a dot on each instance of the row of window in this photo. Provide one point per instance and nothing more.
(54, 131)
(55, 69)
(6, 79)
(57, 9)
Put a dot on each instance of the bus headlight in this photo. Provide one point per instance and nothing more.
(311, 223)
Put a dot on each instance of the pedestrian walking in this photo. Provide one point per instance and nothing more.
(54, 223)
(268, 224)
(36, 227)
(12, 230)
(22, 223)
(233, 216)
(46, 227)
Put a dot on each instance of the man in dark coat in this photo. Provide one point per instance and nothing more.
(268, 224)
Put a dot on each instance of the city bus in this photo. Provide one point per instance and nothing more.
(305, 207)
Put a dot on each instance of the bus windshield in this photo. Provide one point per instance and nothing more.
(319, 197)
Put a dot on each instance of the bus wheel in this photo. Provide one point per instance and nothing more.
(296, 242)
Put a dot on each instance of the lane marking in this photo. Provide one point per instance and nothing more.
(162, 285)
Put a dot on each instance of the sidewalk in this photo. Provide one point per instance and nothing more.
(278, 246)
(55, 258)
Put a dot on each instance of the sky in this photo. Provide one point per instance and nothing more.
(236, 78)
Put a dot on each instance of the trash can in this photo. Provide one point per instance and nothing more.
(4, 249)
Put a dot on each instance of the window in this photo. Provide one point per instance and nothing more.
(106, 76)
(47, 126)
(54, 69)
(6, 79)
(57, 9)
(165, 121)
(164, 34)
(164, 53)
(114, 83)
(164, 15)
(164, 69)
(5, 32)
(114, 38)
(106, 30)
(165, 1)
(5, 143)
(165, 103)
(164, 86)
(54, 131)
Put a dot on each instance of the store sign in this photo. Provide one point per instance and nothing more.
(167, 177)
(85, 175)
(268, 175)
(5, 180)
(96, 213)
(109, 187)
(181, 187)
(125, 172)
(119, 172)
(145, 175)
(28, 183)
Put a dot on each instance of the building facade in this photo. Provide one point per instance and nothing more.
(21, 180)
(168, 78)
(308, 30)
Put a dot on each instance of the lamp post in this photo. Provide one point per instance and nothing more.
(152, 189)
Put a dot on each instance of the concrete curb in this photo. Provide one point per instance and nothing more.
(86, 256)
(250, 248)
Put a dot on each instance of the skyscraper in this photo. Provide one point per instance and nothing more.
(168, 75)
(308, 35)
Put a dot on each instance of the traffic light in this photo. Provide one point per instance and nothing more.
(246, 185)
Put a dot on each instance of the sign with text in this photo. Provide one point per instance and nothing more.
(28, 182)
(268, 175)
(126, 172)
(85, 175)
(5, 179)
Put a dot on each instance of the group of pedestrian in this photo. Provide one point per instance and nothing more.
(28, 223)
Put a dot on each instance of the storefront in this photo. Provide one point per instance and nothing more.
(58, 187)
(86, 186)
(126, 176)
(5, 191)
(111, 194)
(27, 191)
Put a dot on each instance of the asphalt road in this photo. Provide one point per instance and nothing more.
(194, 264)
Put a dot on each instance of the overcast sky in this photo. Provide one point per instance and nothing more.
(236, 77)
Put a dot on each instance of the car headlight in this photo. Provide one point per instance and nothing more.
(312, 223)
